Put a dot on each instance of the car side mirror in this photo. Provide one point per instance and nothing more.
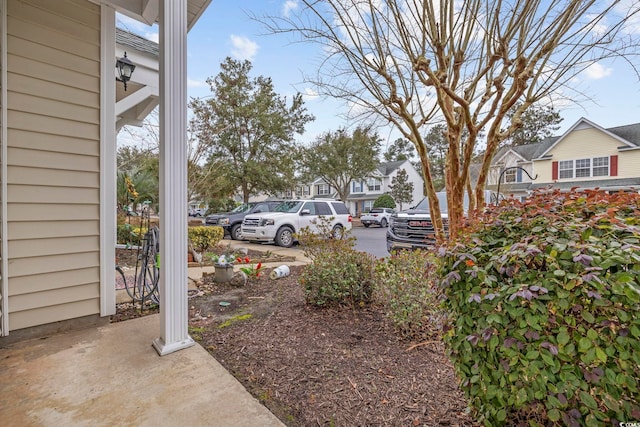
(305, 212)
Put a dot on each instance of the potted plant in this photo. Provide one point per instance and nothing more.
(223, 268)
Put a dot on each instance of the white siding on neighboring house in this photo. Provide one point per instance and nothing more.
(53, 160)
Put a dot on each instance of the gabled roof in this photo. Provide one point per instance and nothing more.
(527, 152)
(620, 133)
(141, 44)
(387, 169)
(629, 135)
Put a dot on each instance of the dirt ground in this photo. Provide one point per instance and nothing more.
(318, 367)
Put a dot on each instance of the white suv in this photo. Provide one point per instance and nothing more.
(291, 216)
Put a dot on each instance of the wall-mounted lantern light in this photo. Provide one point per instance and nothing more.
(125, 69)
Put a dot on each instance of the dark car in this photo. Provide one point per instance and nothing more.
(231, 221)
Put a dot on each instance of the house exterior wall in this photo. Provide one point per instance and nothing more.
(580, 144)
(53, 160)
(629, 163)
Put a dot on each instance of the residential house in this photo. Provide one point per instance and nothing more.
(58, 122)
(364, 193)
(587, 156)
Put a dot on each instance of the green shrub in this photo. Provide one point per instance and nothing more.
(544, 298)
(323, 239)
(128, 234)
(338, 278)
(384, 201)
(204, 238)
(405, 284)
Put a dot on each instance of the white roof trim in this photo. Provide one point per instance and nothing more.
(581, 124)
(510, 150)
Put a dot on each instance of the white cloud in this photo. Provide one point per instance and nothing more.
(243, 48)
(288, 6)
(309, 94)
(195, 83)
(154, 37)
(596, 71)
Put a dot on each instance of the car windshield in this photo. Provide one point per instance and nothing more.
(242, 208)
(289, 206)
(442, 199)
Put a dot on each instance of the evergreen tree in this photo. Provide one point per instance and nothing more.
(401, 188)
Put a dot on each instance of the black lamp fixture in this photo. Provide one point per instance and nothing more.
(125, 69)
(532, 178)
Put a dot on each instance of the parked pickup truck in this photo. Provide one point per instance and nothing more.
(413, 228)
(377, 216)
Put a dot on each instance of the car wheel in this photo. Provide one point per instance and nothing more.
(383, 223)
(337, 232)
(366, 225)
(284, 237)
(236, 232)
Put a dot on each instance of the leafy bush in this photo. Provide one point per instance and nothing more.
(405, 284)
(322, 239)
(338, 274)
(203, 238)
(544, 297)
(127, 234)
(384, 201)
(339, 278)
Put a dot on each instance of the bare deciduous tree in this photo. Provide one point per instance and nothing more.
(465, 63)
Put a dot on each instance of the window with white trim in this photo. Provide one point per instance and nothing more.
(374, 184)
(510, 175)
(323, 189)
(358, 187)
(583, 168)
(600, 166)
(565, 169)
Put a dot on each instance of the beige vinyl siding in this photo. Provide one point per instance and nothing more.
(53, 160)
(629, 164)
(579, 144)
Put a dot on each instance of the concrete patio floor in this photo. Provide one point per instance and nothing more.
(111, 376)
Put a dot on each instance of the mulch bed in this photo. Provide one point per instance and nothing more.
(317, 367)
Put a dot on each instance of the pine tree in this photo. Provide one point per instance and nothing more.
(401, 188)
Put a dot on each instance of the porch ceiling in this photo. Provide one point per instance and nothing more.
(147, 11)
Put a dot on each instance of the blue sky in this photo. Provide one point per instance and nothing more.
(225, 29)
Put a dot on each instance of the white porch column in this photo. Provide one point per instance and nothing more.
(173, 179)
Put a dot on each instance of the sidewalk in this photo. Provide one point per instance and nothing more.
(111, 376)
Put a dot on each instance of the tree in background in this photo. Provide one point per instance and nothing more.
(339, 158)
(401, 189)
(384, 201)
(138, 169)
(400, 149)
(466, 64)
(438, 145)
(538, 123)
(248, 130)
(204, 180)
